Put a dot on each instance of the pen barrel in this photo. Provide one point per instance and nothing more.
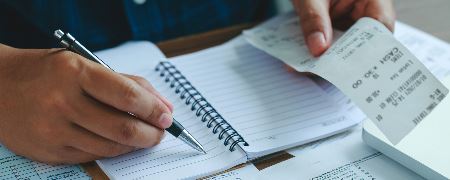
(69, 42)
(81, 50)
(175, 129)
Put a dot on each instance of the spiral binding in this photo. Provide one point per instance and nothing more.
(200, 105)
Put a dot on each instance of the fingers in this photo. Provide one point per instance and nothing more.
(125, 95)
(115, 125)
(315, 18)
(341, 8)
(316, 24)
(94, 144)
(381, 10)
(146, 85)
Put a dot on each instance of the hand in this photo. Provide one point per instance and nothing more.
(57, 107)
(318, 16)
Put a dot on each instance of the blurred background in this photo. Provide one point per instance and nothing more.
(431, 16)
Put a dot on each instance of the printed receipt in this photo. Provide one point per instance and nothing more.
(390, 85)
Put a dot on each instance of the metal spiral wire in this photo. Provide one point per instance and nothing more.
(200, 105)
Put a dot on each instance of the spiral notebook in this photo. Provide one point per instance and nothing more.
(237, 101)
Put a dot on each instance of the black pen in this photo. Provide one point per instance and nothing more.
(176, 129)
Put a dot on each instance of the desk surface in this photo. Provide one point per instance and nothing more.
(431, 16)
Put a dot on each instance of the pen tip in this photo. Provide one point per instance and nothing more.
(191, 141)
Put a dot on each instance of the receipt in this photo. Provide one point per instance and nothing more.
(389, 84)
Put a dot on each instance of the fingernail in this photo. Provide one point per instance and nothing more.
(316, 43)
(165, 120)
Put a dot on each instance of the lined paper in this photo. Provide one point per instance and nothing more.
(271, 108)
(173, 159)
(172, 156)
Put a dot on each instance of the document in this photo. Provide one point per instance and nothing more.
(344, 156)
(171, 158)
(17, 167)
(385, 80)
(432, 52)
(264, 106)
(234, 80)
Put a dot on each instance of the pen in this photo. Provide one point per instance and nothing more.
(176, 129)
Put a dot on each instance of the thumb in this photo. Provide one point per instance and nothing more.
(315, 23)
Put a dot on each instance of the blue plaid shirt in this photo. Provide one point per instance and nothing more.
(101, 24)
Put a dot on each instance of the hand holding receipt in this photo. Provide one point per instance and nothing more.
(376, 71)
(176, 129)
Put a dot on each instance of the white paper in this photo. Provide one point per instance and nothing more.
(265, 103)
(388, 83)
(134, 57)
(172, 158)
(376, 71)
(342, 157)
(432, 52)
(248, 172)
(17, 167)
(281, 37)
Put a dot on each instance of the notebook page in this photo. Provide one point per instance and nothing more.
(171, 159)
(271, 108)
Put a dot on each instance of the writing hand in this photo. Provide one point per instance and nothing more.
(57, 107)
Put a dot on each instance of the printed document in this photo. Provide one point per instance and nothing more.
(387, 82)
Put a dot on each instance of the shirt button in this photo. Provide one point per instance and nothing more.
(139, 2)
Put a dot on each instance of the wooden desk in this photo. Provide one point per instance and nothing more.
(431, 16)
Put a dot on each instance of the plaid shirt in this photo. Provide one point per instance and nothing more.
(104, 23)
